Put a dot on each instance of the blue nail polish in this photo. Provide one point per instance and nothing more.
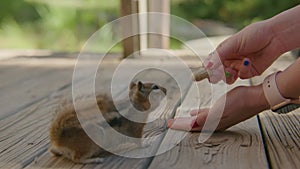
(246, 63)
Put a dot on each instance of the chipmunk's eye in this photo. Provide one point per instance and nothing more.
(155, 87)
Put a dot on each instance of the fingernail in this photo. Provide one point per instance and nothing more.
(227, 74)
(246, 62)
(194, 112)
(208, 64)
(169, 123)
(195, 125)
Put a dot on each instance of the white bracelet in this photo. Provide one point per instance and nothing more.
(271, 91)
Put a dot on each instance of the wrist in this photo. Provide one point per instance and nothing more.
(282, 81)
(259, 102)
(281, 85)
(277, 102)
(284, 28)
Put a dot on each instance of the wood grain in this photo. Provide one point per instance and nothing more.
(30, 80)
(240, 146)
(24, 135)
(281, 132)
(282, 138)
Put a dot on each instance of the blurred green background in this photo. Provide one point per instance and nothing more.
(65, 25)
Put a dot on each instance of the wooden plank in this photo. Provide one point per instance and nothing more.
(44, 160)
(281, 132)
(26, 81)
(30, 80)
(240, 146)
(111, 162)
(282, 138)
(24, 134)
(151, 129)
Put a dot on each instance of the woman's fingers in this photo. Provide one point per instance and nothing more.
(212, 61)
(228, 48)
(231, 75)
(194, 123)
(194, 112)
(198, 111)
(217, 71)
(242, 68)
(213, 65)
(182, 123)
(216, 75)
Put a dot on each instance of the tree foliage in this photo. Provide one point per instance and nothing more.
(237, 13)
(67, 24)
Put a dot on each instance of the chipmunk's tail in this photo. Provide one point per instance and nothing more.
(63, 121)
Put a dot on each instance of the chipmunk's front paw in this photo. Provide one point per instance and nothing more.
(93, 160)
(54, 152)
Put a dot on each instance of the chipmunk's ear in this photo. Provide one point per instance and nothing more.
(132, 84)
(140, 85)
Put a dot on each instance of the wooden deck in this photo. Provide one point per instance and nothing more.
(33, 87)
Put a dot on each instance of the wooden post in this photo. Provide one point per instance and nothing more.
(130, 26)
(142, 23)
(160, 25)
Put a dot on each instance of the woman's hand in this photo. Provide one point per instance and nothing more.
(246, 54)
(251, 51)
(241, 103)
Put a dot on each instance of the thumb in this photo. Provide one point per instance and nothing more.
(227, 48)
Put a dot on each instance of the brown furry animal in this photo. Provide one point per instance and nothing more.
(68, 138)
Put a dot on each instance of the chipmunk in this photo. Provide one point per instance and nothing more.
(68, 139)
